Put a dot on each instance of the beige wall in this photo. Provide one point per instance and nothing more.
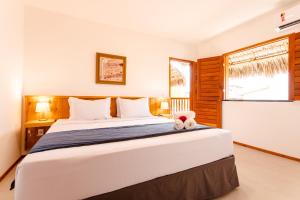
(60, 57)
(11, 62)
(273, 126)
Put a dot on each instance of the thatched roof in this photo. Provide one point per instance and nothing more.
(265, 60)
(267, 67)
(177, 79)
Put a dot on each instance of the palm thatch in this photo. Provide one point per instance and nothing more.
(177, 78)
(268, 67)
(266, 60)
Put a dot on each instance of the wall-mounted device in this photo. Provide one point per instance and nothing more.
(288, 18)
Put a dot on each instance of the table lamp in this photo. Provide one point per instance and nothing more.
(164, 105)
(42, 108)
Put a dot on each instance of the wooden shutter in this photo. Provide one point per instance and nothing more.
(207, 89)
(294, 59)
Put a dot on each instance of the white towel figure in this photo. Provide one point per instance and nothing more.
(189, 123)
(178, 124)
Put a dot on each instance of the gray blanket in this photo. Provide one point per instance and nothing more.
(76, 138)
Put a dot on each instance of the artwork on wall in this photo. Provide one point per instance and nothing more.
(110, 69)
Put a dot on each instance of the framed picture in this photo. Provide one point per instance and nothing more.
(110, 69)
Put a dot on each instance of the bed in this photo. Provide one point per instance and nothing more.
(189, 165)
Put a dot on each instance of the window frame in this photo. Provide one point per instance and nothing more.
(180, 60)
(290, 69)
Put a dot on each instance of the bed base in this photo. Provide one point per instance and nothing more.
(207, 181)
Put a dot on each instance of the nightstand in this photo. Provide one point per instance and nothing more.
(34, 130)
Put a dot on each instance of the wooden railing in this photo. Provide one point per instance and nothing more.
(180, 105)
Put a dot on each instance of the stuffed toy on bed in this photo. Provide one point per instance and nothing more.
(184, 120)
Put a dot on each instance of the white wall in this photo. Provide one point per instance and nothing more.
(258, 30)
(269, 125)
(60, 57)
(272, 126)
(11, 63)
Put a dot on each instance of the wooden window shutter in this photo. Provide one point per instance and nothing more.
(294, 66)
(207, 89)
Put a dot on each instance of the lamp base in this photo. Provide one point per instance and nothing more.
(42, 117)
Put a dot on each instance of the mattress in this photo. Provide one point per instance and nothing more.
(81, 172)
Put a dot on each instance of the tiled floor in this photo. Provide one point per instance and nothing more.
(262, 177)
(5, 193)
(265, 177)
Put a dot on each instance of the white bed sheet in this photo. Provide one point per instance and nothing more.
(81, 172)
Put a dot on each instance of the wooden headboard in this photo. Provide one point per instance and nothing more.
(59, 106)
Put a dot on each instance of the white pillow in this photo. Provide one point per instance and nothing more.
(134, 108)
(89, 109)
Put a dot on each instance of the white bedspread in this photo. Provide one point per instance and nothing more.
(81, 172)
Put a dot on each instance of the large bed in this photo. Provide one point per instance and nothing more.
(190, 165)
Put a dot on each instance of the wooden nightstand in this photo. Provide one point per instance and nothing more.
(34, 130)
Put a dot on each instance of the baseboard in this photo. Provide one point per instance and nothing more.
(267, 151)
(10, 168)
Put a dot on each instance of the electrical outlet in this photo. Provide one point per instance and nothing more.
(40, 132)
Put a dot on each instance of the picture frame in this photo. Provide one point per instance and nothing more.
(110, 69)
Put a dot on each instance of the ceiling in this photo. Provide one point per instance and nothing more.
(187, 21)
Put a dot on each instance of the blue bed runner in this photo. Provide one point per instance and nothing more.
(76, 138)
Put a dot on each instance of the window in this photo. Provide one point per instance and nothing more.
(180, 84)
(180, 78)
(259, 73)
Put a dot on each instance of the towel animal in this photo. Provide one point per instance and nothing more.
(185, 120)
